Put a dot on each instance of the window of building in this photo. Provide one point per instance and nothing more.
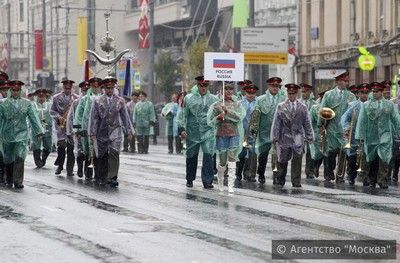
(21, 11)
(21, 43)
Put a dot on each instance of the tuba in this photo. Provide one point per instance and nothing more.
(325, 114)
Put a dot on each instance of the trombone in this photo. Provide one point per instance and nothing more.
(360, 157)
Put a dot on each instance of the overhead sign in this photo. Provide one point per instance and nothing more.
(264, 39)
(223, 66)
(265, 58)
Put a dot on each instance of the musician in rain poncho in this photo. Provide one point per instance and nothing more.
(194, 128)
(376, 120)
(338, 100)
(81, 123)
(15, 114)
(41, 146)
(290, 127)
(227, 116)
(267, 104)
(143, 118)
(362, 92)
(108, 121)
(81, 161)
(59, 110)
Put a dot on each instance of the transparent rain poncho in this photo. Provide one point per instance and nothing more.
(169, 112)
(375, 123)
(339, 104)
(14, 133)
(43, 112)
(233, 118)
(193, 119)
(143, 116)
(267, 105)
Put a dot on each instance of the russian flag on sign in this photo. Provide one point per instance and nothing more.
(224, 63)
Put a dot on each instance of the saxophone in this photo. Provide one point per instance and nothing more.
(62, 121)
(254, 125)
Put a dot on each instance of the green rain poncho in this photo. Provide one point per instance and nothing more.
(43, 111)
(234, 117)
(169, 112)
(315, 147)
(339, 104)
(82, 115)
(193, 119)
(14, 133)
(142, 117)
(267, 104)
(374, 126)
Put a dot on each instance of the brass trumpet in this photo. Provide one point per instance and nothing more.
(91, 162)
(350, 131)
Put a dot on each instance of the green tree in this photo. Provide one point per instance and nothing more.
(167, 72)
(193, 65)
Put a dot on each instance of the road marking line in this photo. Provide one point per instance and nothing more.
(51, 209)
(4, 192)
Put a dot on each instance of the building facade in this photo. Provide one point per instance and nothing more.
(330, 33)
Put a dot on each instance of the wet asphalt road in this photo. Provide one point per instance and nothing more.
(153, 217)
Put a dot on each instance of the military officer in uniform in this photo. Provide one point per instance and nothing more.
(81, 122)
(349, 123)
(42, 107)
(109, 119)
(338, 100)
(376, 120)
(15, 114)
(290, 126)
(169, 112)
(59, 110)
(143, 118)
(4, 86)
(307, 98)
(198, 134)
(78, 150)
(131, 106)
(267, 104)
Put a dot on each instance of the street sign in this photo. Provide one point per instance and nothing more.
(265, 58)
(44, 74)
(223, 66)
(264, 39)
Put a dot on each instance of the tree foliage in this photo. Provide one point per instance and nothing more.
(167, 72)
(193, 65)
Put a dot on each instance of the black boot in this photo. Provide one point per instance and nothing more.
(45, 154)
(59, 169)
(2, 170)
(37, 159)
(79, 162)
(9, 170)
(239, 169)
(146, 144)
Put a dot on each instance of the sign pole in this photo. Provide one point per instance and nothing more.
(223, 93)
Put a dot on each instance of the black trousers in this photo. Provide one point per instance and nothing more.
(64, 148)
(207, 173)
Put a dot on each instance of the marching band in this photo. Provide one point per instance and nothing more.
(349, 130)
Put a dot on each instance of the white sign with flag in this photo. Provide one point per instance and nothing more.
(224, 66)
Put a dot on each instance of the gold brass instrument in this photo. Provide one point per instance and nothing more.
(63, 120)
(360, 157)
(350, 131)
(254, 125)
(274, 158)
(325, 114)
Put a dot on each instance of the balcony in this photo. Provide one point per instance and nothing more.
(164, 13)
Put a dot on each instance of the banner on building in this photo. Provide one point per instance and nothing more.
(38, 49)
(144, 33)
(240, 13)
(82, 38)
(4, 57)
